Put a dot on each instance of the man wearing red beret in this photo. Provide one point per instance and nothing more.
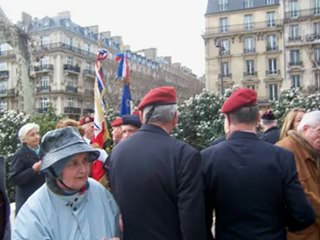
(116, 130)
(86, 124)
(252, 185)
(156, 179)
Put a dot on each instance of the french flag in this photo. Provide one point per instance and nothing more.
(123, 68)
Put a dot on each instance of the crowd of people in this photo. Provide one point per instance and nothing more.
(246, 185)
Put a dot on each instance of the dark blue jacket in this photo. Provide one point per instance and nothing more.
(271, 135)
(253, 187)
(6, 207)
(22, 175)
(157, 182)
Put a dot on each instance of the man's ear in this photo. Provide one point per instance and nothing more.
(141, 116)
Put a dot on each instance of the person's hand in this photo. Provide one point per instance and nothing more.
(37, 166)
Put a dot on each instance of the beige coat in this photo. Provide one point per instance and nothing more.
(307, 162)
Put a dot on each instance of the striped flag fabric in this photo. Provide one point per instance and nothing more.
(123, 67)
(100, 130)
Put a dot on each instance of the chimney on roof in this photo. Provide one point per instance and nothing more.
(64, 15)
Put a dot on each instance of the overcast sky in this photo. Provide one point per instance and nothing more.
(174, 27)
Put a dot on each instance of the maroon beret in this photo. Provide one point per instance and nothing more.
(85, 120)
(159, 96)
(117, 122)
(240, 98)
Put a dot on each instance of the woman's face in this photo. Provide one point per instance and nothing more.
(297, 120)
(32, 138)
(76, 172)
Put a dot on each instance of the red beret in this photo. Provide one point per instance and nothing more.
(85, 120)
(159, 96)
(240, 98)
(117, 122)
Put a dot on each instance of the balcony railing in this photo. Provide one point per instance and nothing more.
(88, 111)
(71, 89)
(249, 50)
(302, 13)
(313, 37)
(42, 110)
(225, 75)
(88, 92)
(44, 67)
(9, 53)
(43, 89)
(71, 68)
(239, 28)
(89, 72)
(252, 73)
(271, 72)
(225, 53)
(72, 110)
(294, 38)
(4, 74)
(272, 48)
(295, 63)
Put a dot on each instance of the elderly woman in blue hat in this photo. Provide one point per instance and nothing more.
(69, 205)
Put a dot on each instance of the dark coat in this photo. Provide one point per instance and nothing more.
(7, 228)
(22, 175)
(271, 135)
(157, 182)
(254, 189)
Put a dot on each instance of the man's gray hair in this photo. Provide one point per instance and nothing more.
(161, 113)
(311, 118)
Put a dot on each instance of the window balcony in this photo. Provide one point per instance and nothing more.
(43, 68)
(42, 110)
(43, 89)
(89, 72)
(225, 75)
(302, 13)
(72, 110)
(71, 89)
(4, 74)
(87, 111)
(272, 48)
(295, 63)
(294, 38)
(252, 73)
(88, 92)
(249, 50)
(313, 37)
(7, 54)
(272, 72)
(71, 68)
(225, 53)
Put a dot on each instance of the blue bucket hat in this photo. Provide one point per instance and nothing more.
(63, 143)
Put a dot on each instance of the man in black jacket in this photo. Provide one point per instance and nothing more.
(156, 179)
(269, 124)
(251, 184)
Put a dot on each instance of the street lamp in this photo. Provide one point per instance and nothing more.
(221, 49)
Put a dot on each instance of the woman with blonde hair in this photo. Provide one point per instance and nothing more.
(291, 121)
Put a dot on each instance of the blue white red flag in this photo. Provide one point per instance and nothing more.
(126, 100)
(123, 68)
(100, 130)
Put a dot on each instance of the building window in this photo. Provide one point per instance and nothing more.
(316, 7)
(247, 3)
(316, 29)
(3, 106)
(3, 87)
(271, 43)
(271, 19)
(44, 102)
(69, 60)
(253, 87)
(317, 80)
(223, 24)
(44, 61)
(44, 83)
(317, 55)
(225, 45)
(294, 32)
(295, 57)
(272, 62)
(273, 92)
(295, 81)
(248, 20)
(270, 2)
(225, 69)
(293, 8)
(250, 67)
(70, 102)
(249, 45)
(223, 5)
